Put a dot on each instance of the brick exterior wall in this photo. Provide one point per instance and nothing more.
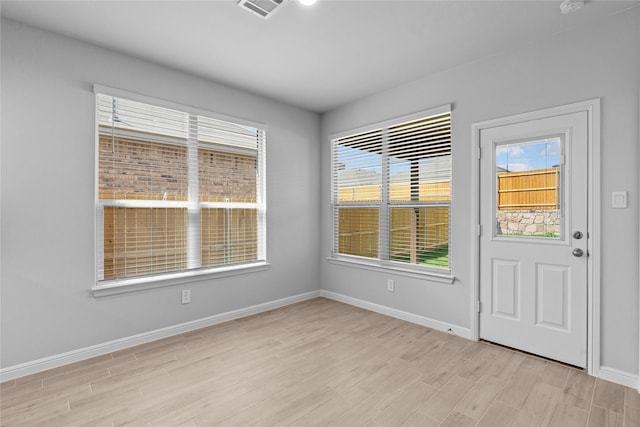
(225, 175)
(132, 169)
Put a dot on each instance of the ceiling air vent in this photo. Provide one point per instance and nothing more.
(262, 8)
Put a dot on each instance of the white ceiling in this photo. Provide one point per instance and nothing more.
(318, 57)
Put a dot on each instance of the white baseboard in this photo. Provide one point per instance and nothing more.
(12, 372)
(399, 314)
(55, 361)
(619, 377)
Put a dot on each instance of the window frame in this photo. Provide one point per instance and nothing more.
(193, 273)
(436, 274)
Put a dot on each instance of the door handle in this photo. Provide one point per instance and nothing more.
(577, 252)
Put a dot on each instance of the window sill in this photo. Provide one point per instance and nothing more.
(115, 287)
(394, 269)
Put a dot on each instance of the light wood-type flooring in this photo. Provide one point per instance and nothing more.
(318, 362)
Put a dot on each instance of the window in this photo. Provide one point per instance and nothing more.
(391, 192)
(178, 191)
(528, 188)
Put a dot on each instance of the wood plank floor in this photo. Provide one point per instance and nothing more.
(316, 363)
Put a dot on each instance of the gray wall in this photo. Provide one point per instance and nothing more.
(596, 62)
(48, 192)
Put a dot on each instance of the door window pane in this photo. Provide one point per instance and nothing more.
(529, 189)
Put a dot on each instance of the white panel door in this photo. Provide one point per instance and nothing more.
(533, 243)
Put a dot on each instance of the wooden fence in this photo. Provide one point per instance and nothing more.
(412, 231)
(139, 241)
(436, 190)
(358, 231)
(534, 189)
(419, 230)
(529, 190)
(427, 229)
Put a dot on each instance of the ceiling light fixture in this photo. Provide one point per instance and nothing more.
(307, 2)
(570, 6)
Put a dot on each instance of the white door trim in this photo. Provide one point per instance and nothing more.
(592, 107)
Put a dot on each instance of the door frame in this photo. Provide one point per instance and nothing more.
(592, 107)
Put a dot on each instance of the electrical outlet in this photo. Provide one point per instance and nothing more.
(391, 285)
(186, 296)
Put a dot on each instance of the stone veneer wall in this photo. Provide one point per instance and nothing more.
(528, 222)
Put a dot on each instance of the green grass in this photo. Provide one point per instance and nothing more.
(548, 234)
(437, 257)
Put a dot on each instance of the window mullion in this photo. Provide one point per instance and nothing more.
(193, 210)
(100, 242)
(334, 197)
(384, 224)
(261, 197)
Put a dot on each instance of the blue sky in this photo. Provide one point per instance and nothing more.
(529, 155)
(513, 157)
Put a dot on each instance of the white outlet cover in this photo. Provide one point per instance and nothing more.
(186, 296)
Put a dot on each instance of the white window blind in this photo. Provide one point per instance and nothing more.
(177, 190)
(391, 191)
